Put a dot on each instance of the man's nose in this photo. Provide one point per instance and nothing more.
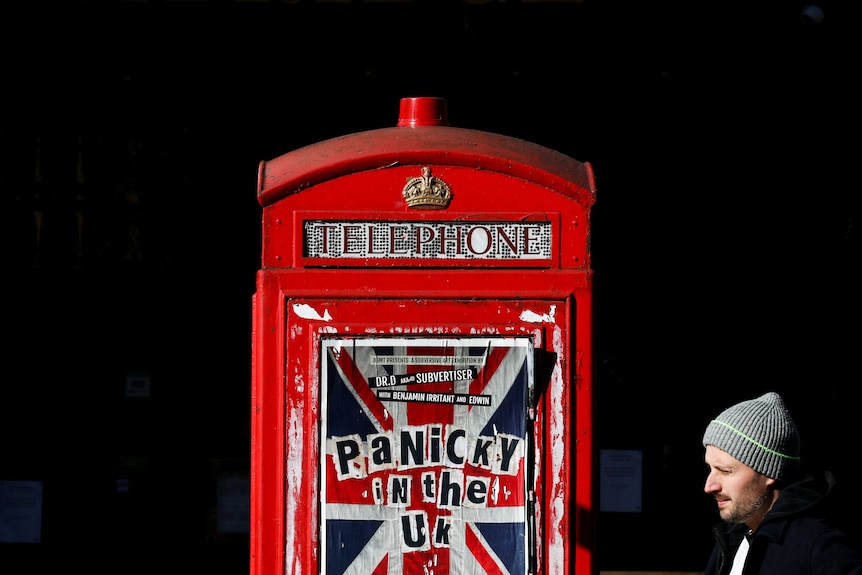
(710, 485)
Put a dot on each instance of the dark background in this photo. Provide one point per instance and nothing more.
(725, 237)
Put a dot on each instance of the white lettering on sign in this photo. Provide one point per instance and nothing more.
(427, 240)
(469, 373)
(426, 360)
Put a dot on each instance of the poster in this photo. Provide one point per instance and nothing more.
(424, 455)
(20, 511)
(621, 474)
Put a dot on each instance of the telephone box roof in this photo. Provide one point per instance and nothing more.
(423, 136)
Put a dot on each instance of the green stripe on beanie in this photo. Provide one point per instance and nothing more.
(759, 433)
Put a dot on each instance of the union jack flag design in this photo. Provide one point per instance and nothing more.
(424, 456)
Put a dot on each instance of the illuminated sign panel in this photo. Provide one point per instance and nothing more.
(505, 240)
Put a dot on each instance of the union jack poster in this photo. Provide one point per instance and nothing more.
(424, 455)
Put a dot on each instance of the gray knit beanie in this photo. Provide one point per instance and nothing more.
(759, 433)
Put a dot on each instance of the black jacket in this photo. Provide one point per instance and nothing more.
(797, 536)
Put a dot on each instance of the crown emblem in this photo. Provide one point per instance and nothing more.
(427, 192)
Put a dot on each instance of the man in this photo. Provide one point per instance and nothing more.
(775, 519)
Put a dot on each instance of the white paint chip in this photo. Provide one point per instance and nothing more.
(533, 317)
(305, 311)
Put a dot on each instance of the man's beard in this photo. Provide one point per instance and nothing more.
(746, 508)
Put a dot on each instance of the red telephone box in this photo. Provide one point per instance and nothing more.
(422, 356)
